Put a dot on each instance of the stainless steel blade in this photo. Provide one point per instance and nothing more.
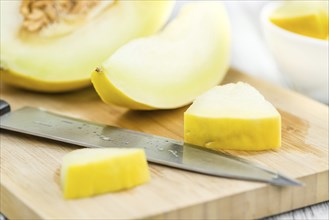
(158, 149)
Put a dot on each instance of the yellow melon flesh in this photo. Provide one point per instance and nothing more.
(232, 116)
(309, 18)
(87, 172)
(63, 62)
(169, 69)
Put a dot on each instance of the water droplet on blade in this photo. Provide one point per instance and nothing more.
(160, 148)
(104, 138)
(173, 152)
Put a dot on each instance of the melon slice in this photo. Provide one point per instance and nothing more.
(54, 47)
(87, 172)
(171, 68)
(309, 18)
(232, 116)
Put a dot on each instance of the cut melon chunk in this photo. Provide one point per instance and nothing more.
(61, 56)
(309, 18)
(87, 172)
(232, 116)
(170, 69)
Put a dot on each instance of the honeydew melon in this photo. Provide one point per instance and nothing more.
(234, 117)
(168, 70)
(87, 172)
(309, 18)
(61, 56)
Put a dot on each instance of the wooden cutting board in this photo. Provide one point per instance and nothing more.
(30, 166)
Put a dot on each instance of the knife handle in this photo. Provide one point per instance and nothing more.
(4, 107)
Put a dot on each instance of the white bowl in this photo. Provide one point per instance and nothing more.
(303, 60)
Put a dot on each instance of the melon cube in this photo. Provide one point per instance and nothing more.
(91, 171)
(235, 117)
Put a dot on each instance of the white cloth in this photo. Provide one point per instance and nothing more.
(250, 53)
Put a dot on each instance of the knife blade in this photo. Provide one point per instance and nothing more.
(160, 150)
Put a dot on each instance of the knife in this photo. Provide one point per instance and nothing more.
(160, 150)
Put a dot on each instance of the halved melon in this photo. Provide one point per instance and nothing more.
(46, 49)
(169, 69)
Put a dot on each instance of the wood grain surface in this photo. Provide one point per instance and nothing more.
(30, 166)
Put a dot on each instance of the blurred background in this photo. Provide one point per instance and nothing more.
(251, 52)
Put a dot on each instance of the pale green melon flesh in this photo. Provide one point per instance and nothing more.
(170, 69)
(73, 56)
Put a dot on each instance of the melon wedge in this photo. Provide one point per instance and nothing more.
(61, 57)
(87, 172)
(232, 117)
(168, 70)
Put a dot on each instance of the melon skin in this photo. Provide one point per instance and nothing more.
(93, 171)
(64, 63)
(233, 117)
